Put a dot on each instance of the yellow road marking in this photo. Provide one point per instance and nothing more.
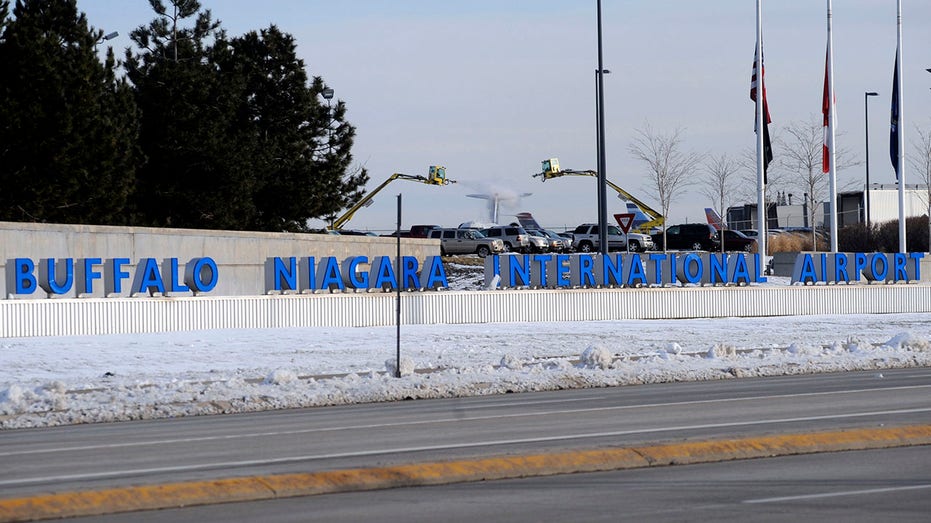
(254, 488)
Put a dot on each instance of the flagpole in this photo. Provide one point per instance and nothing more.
(832, 125)
(900, 127)
(760, 97)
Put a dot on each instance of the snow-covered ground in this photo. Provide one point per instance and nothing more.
(66, 380)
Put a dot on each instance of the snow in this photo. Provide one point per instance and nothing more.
(47, 381)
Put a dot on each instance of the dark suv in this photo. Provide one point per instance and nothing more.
(690, 236)
(735, 241)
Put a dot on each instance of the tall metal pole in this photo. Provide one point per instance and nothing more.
(398, 275)
(597, 126)
(760, 183)
(832, 124)
(900, 126)
(602, 177)
(866, 126)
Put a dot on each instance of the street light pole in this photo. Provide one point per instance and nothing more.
(327, 94)
(598, 126)
(602, 186)
(866, 121)
(104, 38)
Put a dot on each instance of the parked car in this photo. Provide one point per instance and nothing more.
(735, 241)
(422, 231)
(466, 241)
(553, 242)
(585, 239)
(515, 238)
(350, 232)
(558, 243)
(691, 236)
(538, 242)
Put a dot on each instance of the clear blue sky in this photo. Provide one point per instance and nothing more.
(490, 88)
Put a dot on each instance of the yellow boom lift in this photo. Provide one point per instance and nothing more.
(551, 170)
(436, 176)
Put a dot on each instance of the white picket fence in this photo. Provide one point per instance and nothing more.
(90, 316)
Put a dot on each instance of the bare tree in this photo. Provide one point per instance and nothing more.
(669, 168)
(721, 173)
(920, 161)
(802, 146)
(775, 173)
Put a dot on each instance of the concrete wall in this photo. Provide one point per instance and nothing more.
(240, 256)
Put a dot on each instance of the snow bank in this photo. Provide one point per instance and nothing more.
(57, 381)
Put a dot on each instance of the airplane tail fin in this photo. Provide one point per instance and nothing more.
(714, 218)
(527, 221)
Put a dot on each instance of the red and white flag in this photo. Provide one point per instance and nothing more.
(758, 79)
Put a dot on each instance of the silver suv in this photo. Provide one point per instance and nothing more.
(585, 239)
(515, 238)
(466, 241)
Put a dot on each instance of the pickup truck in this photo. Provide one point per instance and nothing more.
(466, 241)
(585, 239)
(416, 231)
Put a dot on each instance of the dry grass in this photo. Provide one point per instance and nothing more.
(794, 242)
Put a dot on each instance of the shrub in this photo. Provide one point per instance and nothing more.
(884, 237)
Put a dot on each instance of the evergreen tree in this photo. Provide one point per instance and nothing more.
(67, 125)
(197, 173)
(302, 148)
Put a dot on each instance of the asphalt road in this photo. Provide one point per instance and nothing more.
(310, 440)
(861, 486)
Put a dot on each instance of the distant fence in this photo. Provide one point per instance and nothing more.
(90, 316)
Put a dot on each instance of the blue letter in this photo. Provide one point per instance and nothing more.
(692, 259)
(194, 274)
(538, 274)
(384, 273)
(150, 279)
(808, 270)
(433, 274)
(658, 267)
(756, 269)
(741, 272)
(117, 275)
(25, 281)
(175, 286)
(330, 276)
(612, 270)
(284, 277)
(519, 270)
(358, 280)
(718, 268)
(859, 263)
(877, 275)
(49, 281)
(409, 266)
(916, 257)
(636, 270)
(586, 270)
(840, 268)
(562, 269)
(87, 283)
(899, 273)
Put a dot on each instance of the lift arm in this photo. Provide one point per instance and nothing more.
(551, 170)
(436, 176)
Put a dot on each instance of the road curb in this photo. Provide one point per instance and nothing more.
(255, 488)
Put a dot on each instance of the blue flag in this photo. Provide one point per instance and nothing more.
(894, 127)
